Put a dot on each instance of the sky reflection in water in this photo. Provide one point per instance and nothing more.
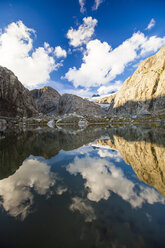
(89, 192)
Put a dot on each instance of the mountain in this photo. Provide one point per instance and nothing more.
(106, 99)
(69, 103)
(47, 99)
(95, 95)
(50, 102)
(15, 99)
(144, 91)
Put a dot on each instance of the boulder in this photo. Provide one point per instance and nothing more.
(69, 119)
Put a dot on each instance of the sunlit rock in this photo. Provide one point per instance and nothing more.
(145, 153)
(144, 91)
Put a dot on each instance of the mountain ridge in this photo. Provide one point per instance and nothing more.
(143, 91)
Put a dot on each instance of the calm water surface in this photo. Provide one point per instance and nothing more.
(95, 187)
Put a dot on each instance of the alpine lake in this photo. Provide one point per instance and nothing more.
(88, 187)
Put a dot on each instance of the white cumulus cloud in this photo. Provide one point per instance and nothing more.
(83, 34)
(96, 4)
(31, 66)
(102, 64)
(59, 52)
(152, 44)
(107, 153)
(151, 24)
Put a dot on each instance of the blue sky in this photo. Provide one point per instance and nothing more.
(77, 46)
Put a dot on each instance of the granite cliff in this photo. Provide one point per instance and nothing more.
(46, 99)
(144, 91)
(144, 150)
(15, 99)
(50, 102)
(69, 103)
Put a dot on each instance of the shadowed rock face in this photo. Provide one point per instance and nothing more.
(144, 150)
(46, 99)
(15, 99)
(69, 103)
(144, 90)
(50, 102)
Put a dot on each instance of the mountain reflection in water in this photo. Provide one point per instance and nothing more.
(76, 188)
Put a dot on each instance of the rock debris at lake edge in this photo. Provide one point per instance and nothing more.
(141, 99)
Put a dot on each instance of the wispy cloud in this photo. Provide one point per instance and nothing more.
(151, 24)
(83, 206)
(82, 6)
(96, 4)
(94, 7)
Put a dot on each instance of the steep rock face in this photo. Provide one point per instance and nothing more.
(15, 99)
(145, 153)
(106, 99)
(46, 99)
(69, 103)
(144, 90)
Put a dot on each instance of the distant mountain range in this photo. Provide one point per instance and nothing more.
(16, 100)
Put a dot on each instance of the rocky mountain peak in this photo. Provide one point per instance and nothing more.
(46, 99)
(69, 103)
(15, 99)
(144, 90)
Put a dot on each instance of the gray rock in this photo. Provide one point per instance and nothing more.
(47, 100)
(83, 123)
(69, 119)
(15, 99)
(144, 112)
(3, 124)
(69, 103)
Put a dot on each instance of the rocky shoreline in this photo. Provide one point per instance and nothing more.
(81, 121)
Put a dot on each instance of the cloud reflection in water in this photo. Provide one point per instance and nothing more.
(15, 191)
(103, 177)
(81, 205)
